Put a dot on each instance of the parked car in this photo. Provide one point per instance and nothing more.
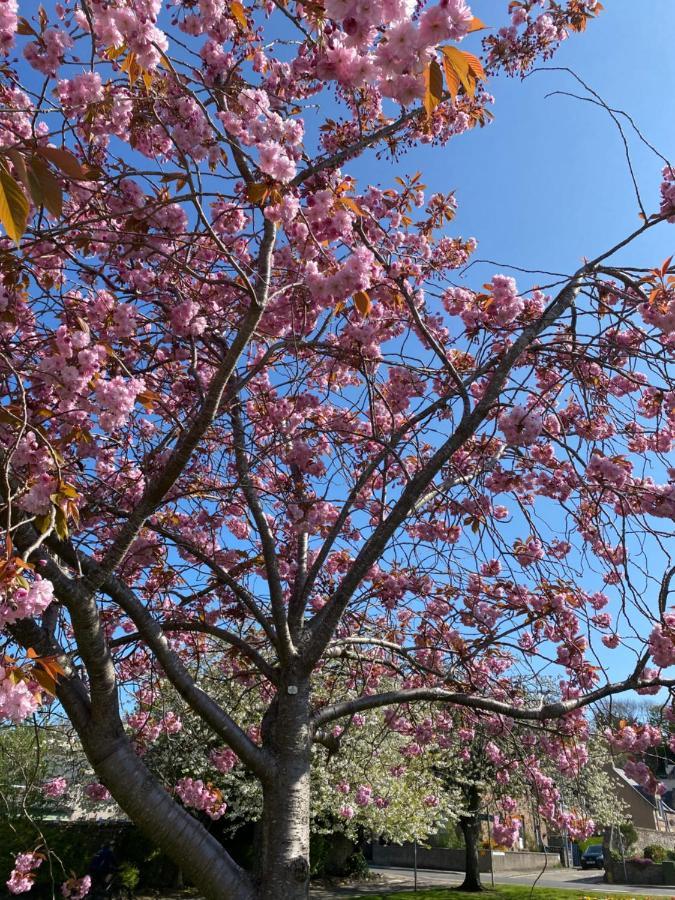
(592, 857)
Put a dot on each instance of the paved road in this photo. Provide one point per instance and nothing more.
(570, 879)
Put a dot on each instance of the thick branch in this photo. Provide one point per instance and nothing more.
(485, 704)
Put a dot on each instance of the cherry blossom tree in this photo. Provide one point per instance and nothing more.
(248, 406)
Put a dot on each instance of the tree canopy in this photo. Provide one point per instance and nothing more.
(254, 410)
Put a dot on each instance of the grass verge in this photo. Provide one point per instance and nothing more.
(510, 892)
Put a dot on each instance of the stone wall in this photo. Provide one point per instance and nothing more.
(634, 874)
(649, 836)
(403, 855)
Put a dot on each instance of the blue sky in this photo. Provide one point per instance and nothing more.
(547, 183)
(550, 184)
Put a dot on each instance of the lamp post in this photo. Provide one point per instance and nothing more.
(415, 863)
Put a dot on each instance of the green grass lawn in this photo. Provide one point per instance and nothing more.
(514, 892)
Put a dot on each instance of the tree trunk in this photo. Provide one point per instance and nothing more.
(199, 855)
(470, 825)
(286, 798)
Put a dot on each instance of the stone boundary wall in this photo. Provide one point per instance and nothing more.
(648, 836)
(635, 874)
(402, 855)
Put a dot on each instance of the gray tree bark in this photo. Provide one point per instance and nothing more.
(470, 825)
(178, 834)
(286, 797)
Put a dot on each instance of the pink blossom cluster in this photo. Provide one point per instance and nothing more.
(37, 499)
(668, 193)
(578, 827)
(148, 729)
(131, 24)
(204, 797)
(364, 795)
(46, 53)
(533, 32)
(606, 471)
(499, 308)
(505, 832)
(394, 63)
(639, 771)
(17, 700)
(186, 319)
(8, 23)
(76, 888)
(97, 792)
(76, 94)
(55, 787)
(634, 738)
(277, 140)
(23, 874)
(24, 602)
(224, 760)
(662, 641)
(661, 313)
(116, 398)
(356, 273)
(529, 551)
(521, 425)
(504, 304)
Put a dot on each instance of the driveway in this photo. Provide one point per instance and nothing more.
(570, 879)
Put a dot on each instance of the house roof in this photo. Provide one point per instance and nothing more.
(662, 806)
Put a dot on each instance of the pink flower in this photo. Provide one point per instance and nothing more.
(57, 787)
(116, 399)
(97, 792)
(76, 888)
(224, 760)
(23, 603)
(46, 54)
(521, 426)
(186, 321)
(273, 160)
(346, 812)
(528, 552)
(8, 23)
(661, 642)
(23, 875)
(37, 499)
(364, 795)
(17, 702)
(505, 833)
(77, 93)
(205, 797)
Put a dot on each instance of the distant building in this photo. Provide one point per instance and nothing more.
(645, 809)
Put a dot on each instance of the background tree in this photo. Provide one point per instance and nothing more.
(245, 402)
